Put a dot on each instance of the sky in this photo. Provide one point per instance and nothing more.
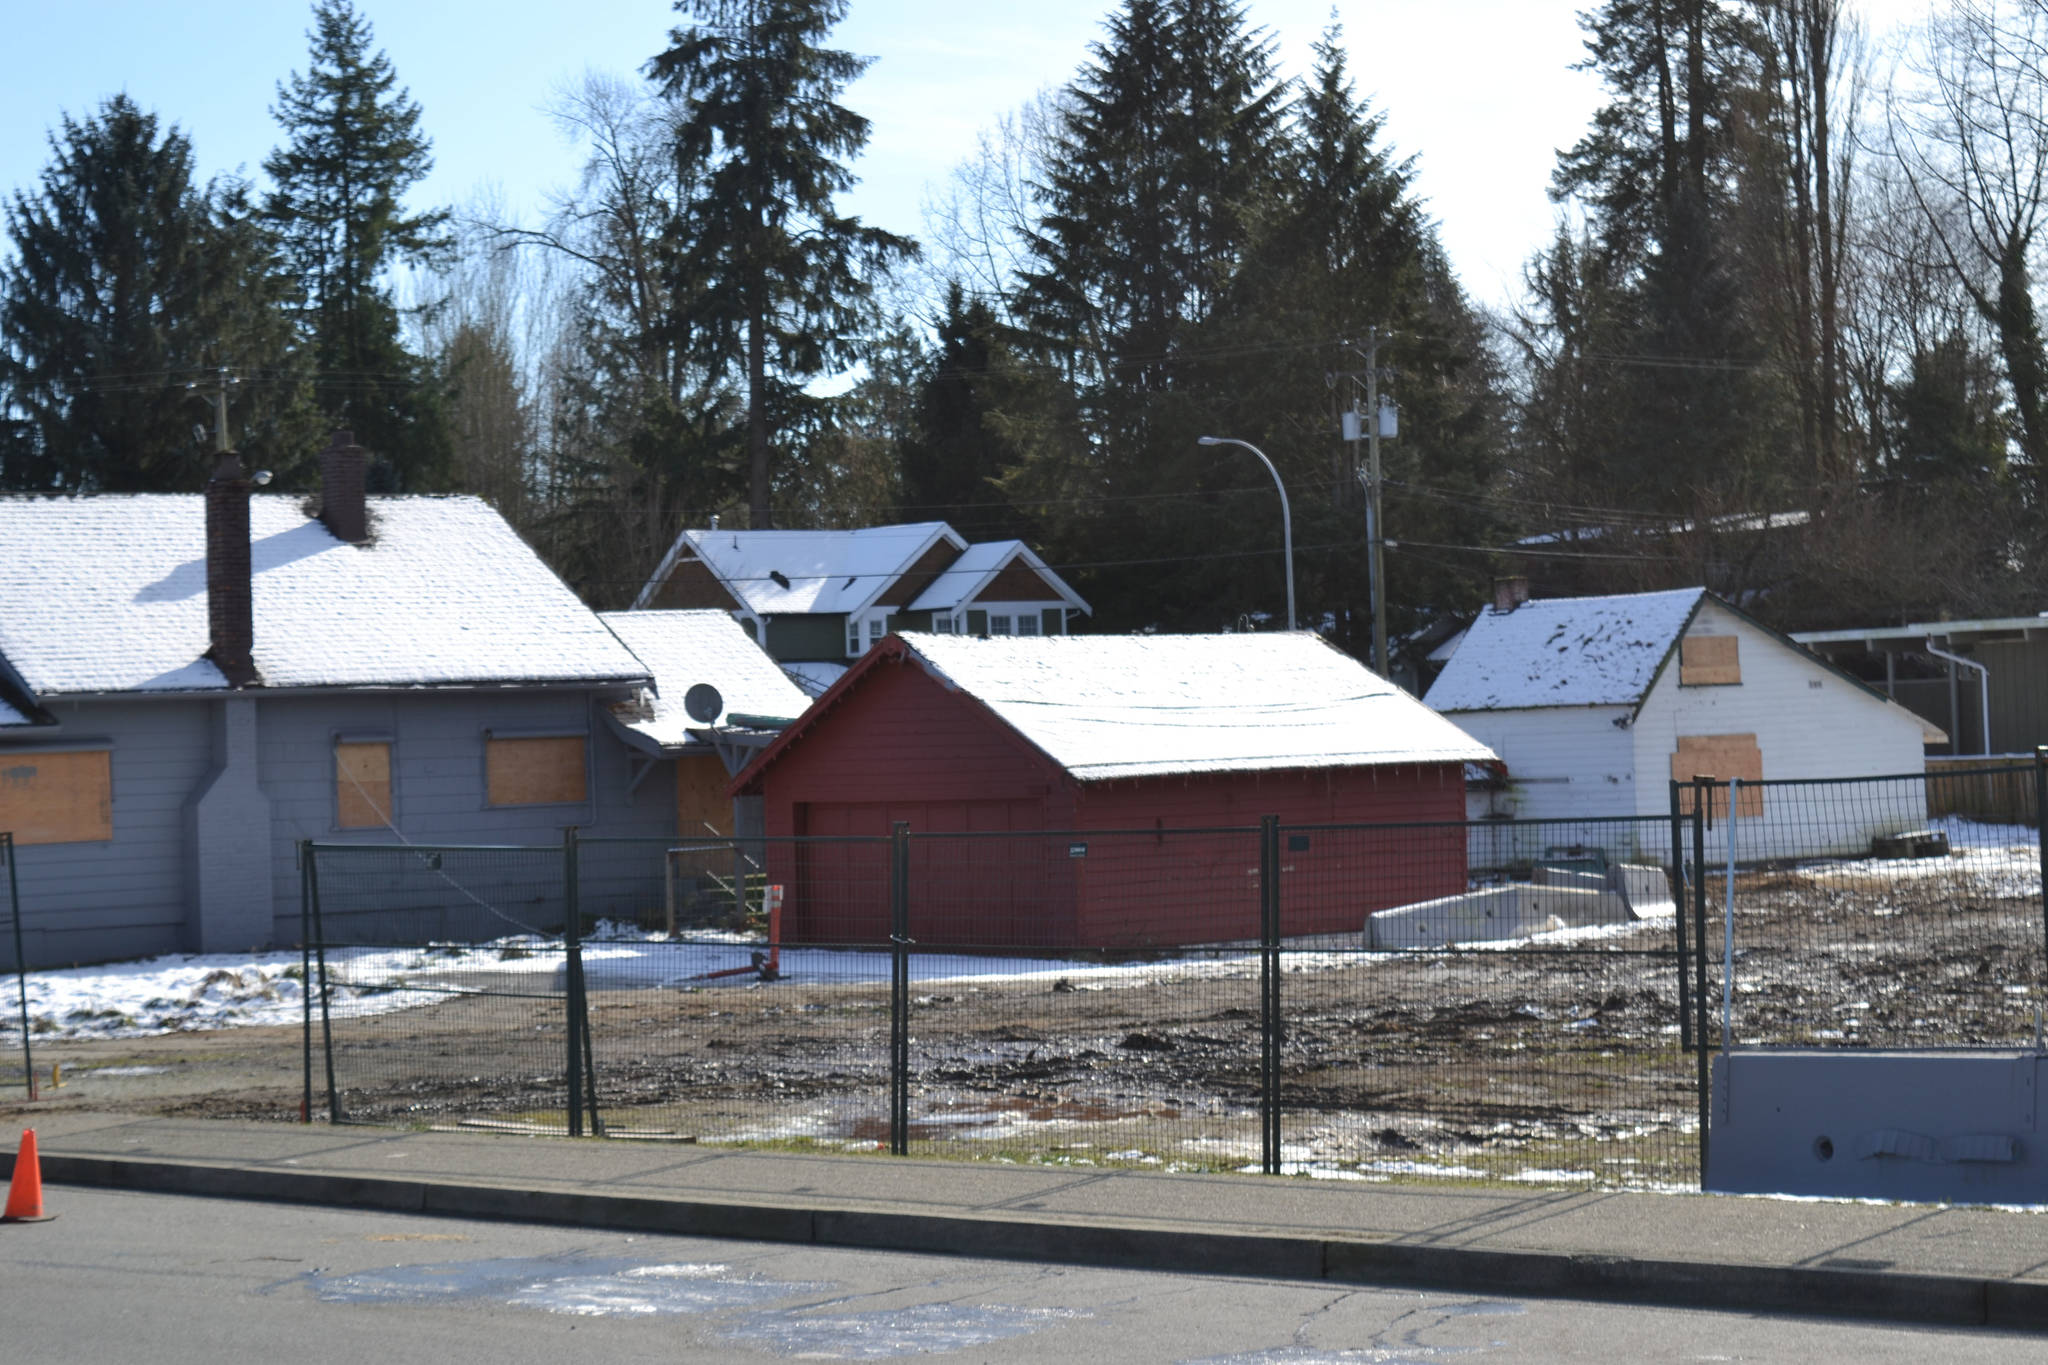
(1480, 91)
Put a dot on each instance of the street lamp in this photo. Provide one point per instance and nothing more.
(1286, 517)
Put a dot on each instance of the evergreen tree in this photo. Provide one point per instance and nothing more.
(770, 281)
(353, 149)
(1166, 157)
(954, 458)
(128, 284)
(1344, 252)
(1665, 170)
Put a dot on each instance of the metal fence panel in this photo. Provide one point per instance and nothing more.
(728, 1031)
(1854, 919)
(1524, 1026)
(444, 984)
(1086, 997)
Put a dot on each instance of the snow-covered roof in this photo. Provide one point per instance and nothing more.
(108, 594)
(795, 572)
(1564, 651)
(814, 676)
(684, 648)
(965, 577)
(1120, 706)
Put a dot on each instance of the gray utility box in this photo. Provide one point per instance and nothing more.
(1938, 1127)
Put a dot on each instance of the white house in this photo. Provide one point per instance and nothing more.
(1595, 704)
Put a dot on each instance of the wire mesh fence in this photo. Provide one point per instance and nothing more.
(1523, 1026)
(1502, 1000)
(445, 983)
(729, 1026)
(1840, 914)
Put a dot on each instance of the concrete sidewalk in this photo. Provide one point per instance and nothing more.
(1915, 1262)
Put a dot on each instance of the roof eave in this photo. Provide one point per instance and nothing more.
(349, 689)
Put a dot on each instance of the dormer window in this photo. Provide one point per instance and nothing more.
(998, 624)
(1027, 623)
(877, 626)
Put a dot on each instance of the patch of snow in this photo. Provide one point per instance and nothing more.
(683, 648)
(1997, 861)
(1118, 706)
(108, 594)
(803, 572)
(814, 677)
(1564, 651)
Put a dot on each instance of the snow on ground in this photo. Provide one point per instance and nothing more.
(1999, 861)
(189, 992)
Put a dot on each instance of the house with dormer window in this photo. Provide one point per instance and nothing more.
(818, 600)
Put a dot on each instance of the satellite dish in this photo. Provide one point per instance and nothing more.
(703, 704)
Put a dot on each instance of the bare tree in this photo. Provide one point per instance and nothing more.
(978, 228)
(1972, 143)
(1814, 76)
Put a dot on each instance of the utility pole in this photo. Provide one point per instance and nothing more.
(224, 378)
(1375, 529)
(1369, 476)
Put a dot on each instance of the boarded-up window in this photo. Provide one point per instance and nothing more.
(534, 772)
(57, 798)
(1722, 757)
(362, 784)
(1708, 661)
(702, 807)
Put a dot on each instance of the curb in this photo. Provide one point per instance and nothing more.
(1951, 1300)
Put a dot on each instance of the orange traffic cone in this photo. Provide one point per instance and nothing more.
(25, 1194)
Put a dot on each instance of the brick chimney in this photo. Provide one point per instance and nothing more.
(1509, 593)
(230, 600)
(342, 468)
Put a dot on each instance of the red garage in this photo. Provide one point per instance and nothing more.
(1104, 791)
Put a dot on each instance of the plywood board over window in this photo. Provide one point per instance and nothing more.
(57, 797)
(362, 784)
(1722, 757)
(1709, 661)
(702, 807)
(544, 771)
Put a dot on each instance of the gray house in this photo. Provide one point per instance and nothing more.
(192, 683)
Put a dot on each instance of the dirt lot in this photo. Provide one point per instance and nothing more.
(1557, 1062)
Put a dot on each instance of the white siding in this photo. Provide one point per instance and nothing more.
(1564, 763)
(1808, 722)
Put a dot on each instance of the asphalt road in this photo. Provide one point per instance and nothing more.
(168, 1279)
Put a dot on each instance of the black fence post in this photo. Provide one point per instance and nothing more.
(1269, 993)
(1704, 1078)
(306, 972)
(1678, 925)
(334, 1114)
(572, 980)
(2041, 836)
(28, 1056)
(899, 988)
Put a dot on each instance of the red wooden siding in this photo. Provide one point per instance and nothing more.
(899, 746)
(1190, 889)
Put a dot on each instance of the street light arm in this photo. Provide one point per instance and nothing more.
(1286, 515)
